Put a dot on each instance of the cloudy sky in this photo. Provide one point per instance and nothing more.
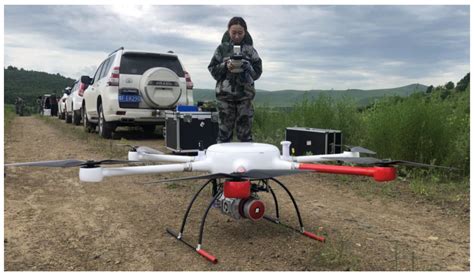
(302, 47)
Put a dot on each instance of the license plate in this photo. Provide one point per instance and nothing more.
(129, 98)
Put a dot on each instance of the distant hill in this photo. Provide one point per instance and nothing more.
(31, 84)
(286, 98)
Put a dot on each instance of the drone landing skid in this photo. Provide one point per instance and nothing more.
(218, 194)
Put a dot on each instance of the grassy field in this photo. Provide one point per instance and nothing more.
(9, 114)
(101, 145)
(431, 129)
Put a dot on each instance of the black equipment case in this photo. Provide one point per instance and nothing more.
(185, 130)
(313, 141)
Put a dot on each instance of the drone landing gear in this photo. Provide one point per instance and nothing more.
(277, 218)
(179, 236)
(216, 194)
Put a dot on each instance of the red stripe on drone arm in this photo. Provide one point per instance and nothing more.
(378, 173)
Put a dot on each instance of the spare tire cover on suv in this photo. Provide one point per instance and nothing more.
(160, 87)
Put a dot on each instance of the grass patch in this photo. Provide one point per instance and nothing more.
(97, 143)
(335, 254)
(9, 115)
(173, 185)
(451, 194)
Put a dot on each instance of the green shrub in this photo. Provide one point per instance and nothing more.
(428, 128)
(9, 113)
(421, 129)
(323, 112)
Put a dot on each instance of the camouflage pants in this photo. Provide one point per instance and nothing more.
(238, 114)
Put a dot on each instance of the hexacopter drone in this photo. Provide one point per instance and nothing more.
(237, 171)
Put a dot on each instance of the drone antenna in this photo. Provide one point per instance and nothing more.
(200, 146)
(200, 154)
(285, 150)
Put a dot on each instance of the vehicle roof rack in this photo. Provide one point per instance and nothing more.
(121, 48)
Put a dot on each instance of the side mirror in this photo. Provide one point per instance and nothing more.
(86, 79)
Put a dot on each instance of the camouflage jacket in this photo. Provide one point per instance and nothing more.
(232, 86)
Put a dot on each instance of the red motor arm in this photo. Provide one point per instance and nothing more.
(378, 173)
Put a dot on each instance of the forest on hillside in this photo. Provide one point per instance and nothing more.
(29, 84)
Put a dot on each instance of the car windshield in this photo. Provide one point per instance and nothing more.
(134, 63)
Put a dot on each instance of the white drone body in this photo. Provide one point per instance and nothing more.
(218, 158)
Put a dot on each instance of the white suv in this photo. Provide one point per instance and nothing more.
(62, 103)
(74, 103)
(134, 88)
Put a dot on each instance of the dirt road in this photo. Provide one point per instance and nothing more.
(55, 222)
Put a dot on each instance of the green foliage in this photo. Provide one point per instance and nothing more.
(31, 84)
(463, 83)
(326, 113)
(323, 112)
(269, 125)
(449, 85)
(288, 98)
(429, 89)
(428, 128)
(421, 129)
(9, 115)
(434, 188)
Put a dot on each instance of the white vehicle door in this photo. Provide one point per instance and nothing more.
(91, 94)
(69, 99)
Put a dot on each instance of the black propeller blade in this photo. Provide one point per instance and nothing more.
(70, 163)
(208, 176)
(143, 149)
(385, 162)
(411, 163)
(251, 174)
(270, 173)
(133, 147)
(148, 150)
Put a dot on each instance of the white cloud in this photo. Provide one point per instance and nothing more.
(46, 56)
(310, 47)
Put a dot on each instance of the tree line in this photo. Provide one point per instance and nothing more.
(29, 84)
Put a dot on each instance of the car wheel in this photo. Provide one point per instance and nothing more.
(76, 117)
(105, 128)
(68, 117)
(88, 127)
